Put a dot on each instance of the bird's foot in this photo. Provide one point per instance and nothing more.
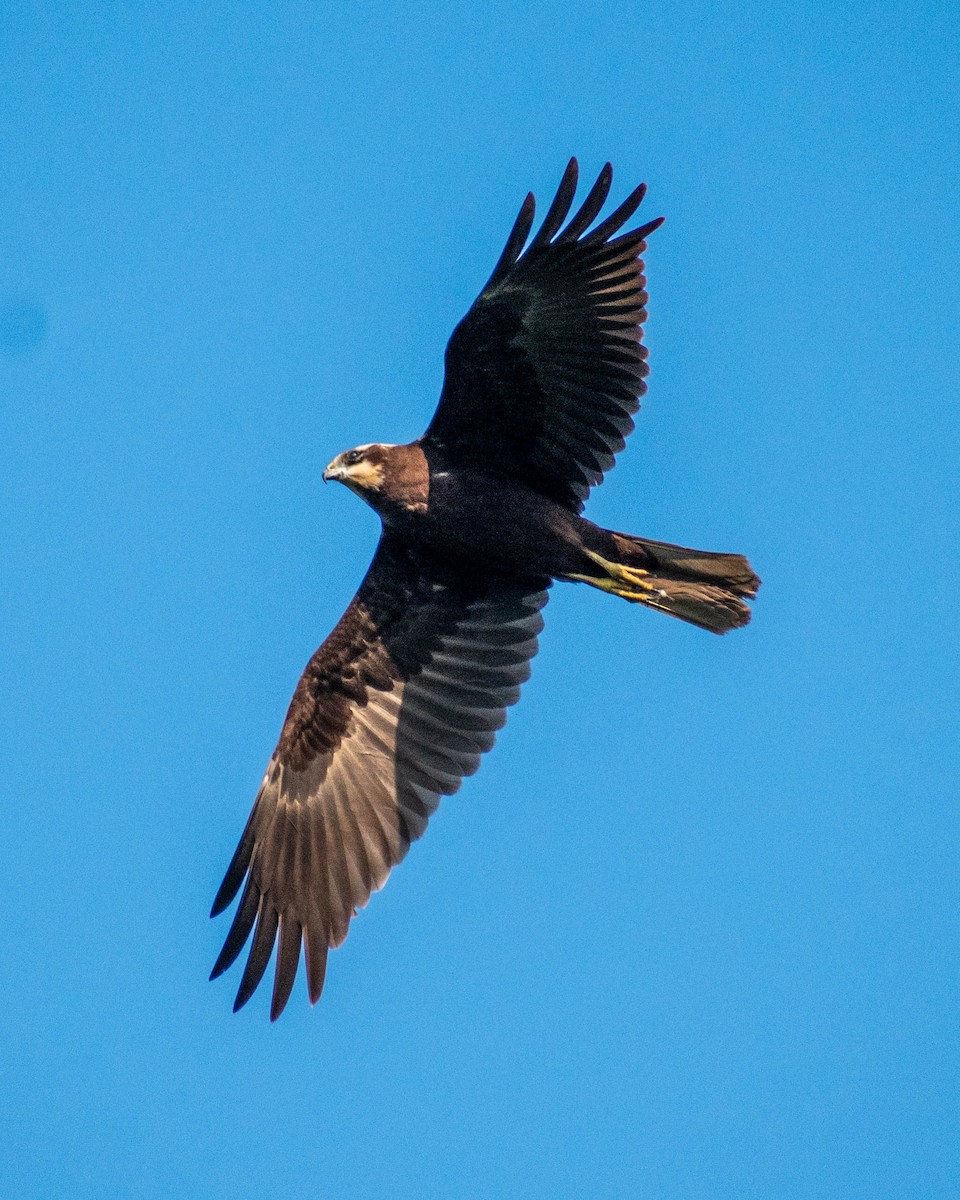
(631, 583)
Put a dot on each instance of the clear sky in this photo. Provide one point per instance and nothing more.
(692, 931)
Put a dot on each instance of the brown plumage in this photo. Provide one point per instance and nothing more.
(479, 516)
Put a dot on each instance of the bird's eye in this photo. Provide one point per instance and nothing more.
(351, 457)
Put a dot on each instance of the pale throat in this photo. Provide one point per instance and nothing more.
(365, 476)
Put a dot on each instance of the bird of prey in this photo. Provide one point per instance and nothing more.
(480, 515)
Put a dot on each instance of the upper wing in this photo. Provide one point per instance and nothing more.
(393, 710)
(544, 371)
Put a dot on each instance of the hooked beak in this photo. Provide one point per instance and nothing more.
(331, 471)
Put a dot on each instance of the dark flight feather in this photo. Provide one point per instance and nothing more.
(596, 198)
(392, 712)
(517, 239)
(558, 322)
(557, 213)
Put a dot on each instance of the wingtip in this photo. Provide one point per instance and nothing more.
(617, 219)
(243, 995)
(315, 951)
(644, 231)
(225, 960)
(225, 892)
(315, 986)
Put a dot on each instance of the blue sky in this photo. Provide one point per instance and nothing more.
(693, 929)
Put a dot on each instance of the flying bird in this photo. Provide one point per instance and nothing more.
(480, 515)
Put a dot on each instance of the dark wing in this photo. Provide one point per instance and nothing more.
(392, 712)
(545, 370)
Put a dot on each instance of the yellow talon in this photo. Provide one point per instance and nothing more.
(631, 583)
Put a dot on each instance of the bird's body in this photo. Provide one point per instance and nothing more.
(448, 509)
(479, 516)
(485, 523)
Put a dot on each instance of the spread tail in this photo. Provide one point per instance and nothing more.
(698, 586)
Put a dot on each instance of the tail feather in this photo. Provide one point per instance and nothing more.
(731, 571)
(699, 586)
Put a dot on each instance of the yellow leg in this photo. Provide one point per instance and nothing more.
(632, 583)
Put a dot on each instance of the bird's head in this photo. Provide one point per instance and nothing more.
(389, 478)
(361, 469)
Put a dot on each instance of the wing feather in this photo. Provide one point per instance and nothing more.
(260, 951)
(550, 353)
(288, 957)
(392, 712)
(557, 213)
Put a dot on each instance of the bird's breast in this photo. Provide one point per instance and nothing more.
(491, 523)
